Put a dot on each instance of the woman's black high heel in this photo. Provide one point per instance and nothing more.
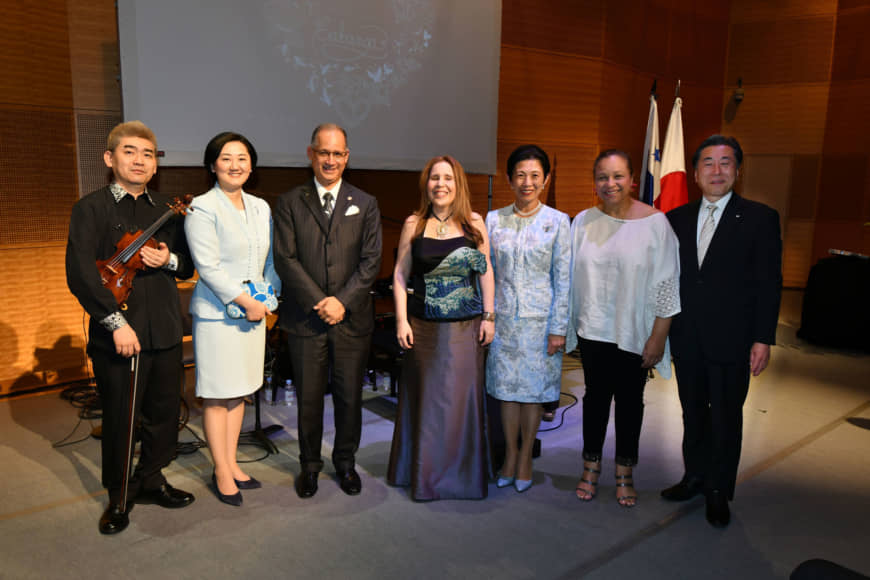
(234, 500)
(248, 483)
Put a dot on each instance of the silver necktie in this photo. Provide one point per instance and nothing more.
(327, 203)
(707, 229)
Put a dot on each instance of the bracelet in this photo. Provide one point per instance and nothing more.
(488, 317)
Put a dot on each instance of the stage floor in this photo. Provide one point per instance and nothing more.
(802, 493)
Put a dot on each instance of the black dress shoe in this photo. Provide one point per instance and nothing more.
(248, 483)
(718, 513)
(234, 499)
(306, 484)
(165, 496)
(688, 488)
(114, 520)
(349, 481)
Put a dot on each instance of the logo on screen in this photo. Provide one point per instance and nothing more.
(352, 55)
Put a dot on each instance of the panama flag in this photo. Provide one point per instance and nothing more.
(652, 156)
(674, 192)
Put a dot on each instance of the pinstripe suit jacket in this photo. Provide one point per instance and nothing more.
(318, 257)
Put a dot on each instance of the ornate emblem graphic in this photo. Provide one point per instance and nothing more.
(352, 64)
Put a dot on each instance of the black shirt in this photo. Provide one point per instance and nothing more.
(97, 224)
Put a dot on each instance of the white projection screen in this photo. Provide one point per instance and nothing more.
(408, 79)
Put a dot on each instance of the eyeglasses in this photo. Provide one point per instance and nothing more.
(324, 154)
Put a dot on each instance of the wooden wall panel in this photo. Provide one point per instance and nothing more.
(847, 6)
(848, 118)
(93, 55)
(574, 191)
(852, 45)
(45, 346)
(37, 175)
(767, 179)
(780, 119)
(837, 234)
(624, 110)
(566, 26)
(804, 186)
(698, 42)
(34, 55)
(841, 187)
(752, 10)
(797, 252)
(781, 51)
(637, 35)
(548, 96)
(843, 206)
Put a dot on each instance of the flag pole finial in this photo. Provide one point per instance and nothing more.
(677, 91)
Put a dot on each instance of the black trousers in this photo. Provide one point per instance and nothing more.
(336, 359)
(158, 397)
(614, 375)
(712, 396)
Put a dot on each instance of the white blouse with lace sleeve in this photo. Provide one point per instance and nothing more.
(625, 273)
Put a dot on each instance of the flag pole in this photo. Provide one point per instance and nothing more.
(649, 173)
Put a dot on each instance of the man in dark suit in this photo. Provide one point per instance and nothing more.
(730, 283)
(149, 324)
(328, 253)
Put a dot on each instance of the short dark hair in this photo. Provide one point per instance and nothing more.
(216, 145)
(327, 127)
(524, 153)
(613, 153)
(713, 141)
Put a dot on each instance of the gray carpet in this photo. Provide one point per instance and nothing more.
(803, 493)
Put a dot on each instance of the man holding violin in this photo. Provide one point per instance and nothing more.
(146, 323)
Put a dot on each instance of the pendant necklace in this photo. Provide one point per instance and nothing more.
(527, 213)
(442, 228)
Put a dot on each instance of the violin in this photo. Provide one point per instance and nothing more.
(117, 272)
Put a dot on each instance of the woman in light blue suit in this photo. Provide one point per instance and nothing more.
(230, 237)
(531, 257)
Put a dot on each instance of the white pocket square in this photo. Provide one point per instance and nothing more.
(352, 210)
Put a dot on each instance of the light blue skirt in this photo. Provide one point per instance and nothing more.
(229, 357)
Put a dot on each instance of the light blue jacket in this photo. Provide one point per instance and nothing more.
(531, 262)
(228, 249)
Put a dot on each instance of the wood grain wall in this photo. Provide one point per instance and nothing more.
(575, 78)
(805, 67)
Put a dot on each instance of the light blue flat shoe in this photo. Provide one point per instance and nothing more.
(522, 485)
(504, 481)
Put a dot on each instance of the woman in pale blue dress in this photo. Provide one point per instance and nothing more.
(531, 257)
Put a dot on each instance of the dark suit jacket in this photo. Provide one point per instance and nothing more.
(316, 257)
(732, 301)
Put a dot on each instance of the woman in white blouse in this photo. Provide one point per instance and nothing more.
(624, 291)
